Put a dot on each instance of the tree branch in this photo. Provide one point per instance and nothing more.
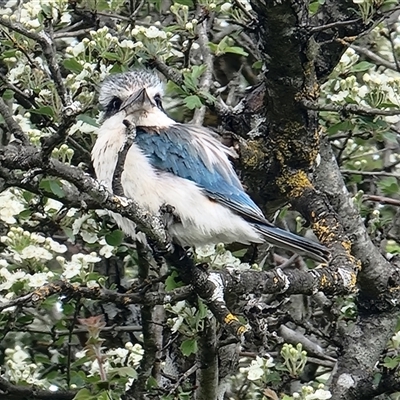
(12, 125)
(49, 53)
(9, 391)
(349, 108)
(374, 57)
(206, 78)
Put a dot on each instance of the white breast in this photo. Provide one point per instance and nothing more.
(202, 221)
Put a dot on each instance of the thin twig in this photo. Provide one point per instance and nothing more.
(368, 173)
(381, 199)
(349, 108)
(63, 287)
(374, 57)
(253, 18)
(12, 125)
(206, 78)
(59, 333)
(183, 377)
(335, 24)
(49, 53)
(119, 168)
(170, 73)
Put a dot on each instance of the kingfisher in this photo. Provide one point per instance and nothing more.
(183, 166)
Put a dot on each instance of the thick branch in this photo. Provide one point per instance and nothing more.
(8, 391)
(28, 158)
(377, 275)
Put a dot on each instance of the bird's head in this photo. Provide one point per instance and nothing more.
(137, 93)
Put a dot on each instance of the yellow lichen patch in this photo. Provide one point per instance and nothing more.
(252, 155)
(324, 233)
(315, 91)
(46, 291)
(353, 281)
(347, 246)
(242, 329)
(324, 281)
(293, 184)
(230, 318)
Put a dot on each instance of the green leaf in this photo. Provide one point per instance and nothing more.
(26, 214)
(213, 47)
(111, 56)
(72, 65)
(390, 362)
(25, 319)
(313, 7)
(28, 196)
(102, 5)
(258, 64)
(239, 253)
(117, 68)
(362, 66)
(236, 50)
(202, 309)
(184, 2)
(83, 394)
(8, 94)
(124, 371)
(151, 383)
(46, 110)
(172, 283)
(340, 127)
(87, 119)
(188, 347)
(197, 71)
(115, 238)
(389, 185)
(53, 186)
(193, 102)
(8, 53)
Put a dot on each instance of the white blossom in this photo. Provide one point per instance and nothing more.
(225, 259)
(71, 269)
(258, 368)
(39, 279)
(35, 252)
(205, 251)
(319, 394)
(11, 277)
(10, 206)
(57, 247)
(396, 340)
(226, 7)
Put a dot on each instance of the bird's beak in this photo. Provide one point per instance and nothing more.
(136, 101)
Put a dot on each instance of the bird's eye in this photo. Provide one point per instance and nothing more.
(114, 104)
(157, 99)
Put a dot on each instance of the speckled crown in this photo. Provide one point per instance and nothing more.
(124, 84)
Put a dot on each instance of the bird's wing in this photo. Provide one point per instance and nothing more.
(192, 153)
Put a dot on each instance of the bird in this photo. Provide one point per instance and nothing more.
(182, 166)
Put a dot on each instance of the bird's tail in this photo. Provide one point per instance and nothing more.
(294, 243)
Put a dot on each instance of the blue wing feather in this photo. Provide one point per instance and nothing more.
(173, 150)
